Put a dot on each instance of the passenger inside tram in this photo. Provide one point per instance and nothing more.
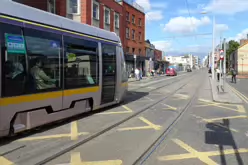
(42, 80)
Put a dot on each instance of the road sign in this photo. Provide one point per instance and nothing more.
(221, 51)
(221, 57)
(134, 56)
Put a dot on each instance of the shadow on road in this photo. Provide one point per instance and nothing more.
(221, 135)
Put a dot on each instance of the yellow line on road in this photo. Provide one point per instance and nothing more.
(156, 127)
(149, 126)
(128, 110)
(169, 107)
(74, 130)
(240, 108)
(203, 156)
(76, 160)
(229, 117)
(209, 121)
(4, 161)
(242, 96)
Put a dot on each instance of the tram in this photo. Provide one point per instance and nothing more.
(53, 68)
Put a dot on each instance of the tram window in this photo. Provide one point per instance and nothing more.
(109, 59)
(44, 56)
(13, 60)
(123, 67)
(81, 63)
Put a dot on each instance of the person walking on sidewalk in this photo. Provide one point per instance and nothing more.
(234, 73)
(137, 74)
(218, 74)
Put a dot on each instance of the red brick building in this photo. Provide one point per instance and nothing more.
(158, 55)
(105, 14)
(134, 30)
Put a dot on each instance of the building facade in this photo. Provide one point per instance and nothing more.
(239, 59)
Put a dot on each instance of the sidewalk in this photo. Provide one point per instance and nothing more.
(228, 96)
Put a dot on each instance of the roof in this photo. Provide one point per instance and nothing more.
(21, 11)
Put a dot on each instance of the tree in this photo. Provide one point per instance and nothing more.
(180, 64)
(232, 46)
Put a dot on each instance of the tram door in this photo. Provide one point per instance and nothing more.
(108, 73)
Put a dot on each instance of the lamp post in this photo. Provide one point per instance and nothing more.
(213, 43)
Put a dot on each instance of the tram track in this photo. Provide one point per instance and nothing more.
(72, 146)
(152, 148)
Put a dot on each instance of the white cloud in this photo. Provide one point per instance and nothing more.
(145, 4)
(221, 27)
(239, 36)
(163, 45)
(227, 6)
(154, 15)
(185, 24)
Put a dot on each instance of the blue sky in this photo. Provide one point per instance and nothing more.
(171, 28)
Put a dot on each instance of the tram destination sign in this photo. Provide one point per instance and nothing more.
(15, 44)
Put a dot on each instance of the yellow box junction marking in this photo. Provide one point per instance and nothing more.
(169, 107)
(229, 117)
(76, 160)
(73, 135)
(210, 121)
(4, 161)
(127, 110)
(206, 103)
(203, 156)
(243, 97)
(181, 96)
(149, 126)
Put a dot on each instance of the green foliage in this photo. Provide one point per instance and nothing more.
(180, 64)
(232, 46)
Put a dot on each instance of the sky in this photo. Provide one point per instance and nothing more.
(179, 27)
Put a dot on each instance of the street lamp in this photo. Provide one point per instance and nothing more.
(213, 43)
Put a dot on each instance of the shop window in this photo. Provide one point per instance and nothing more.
(73, 6)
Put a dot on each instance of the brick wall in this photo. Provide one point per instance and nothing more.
(136, 43)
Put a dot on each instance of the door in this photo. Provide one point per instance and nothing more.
(108, 73)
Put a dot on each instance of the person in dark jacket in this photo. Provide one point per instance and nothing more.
(234, 73)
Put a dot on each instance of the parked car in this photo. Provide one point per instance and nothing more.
(171, 72)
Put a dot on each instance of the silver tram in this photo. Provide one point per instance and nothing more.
(54, 68)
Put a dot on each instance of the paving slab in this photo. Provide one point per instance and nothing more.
(224, 97)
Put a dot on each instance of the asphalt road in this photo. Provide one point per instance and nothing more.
(167, 120)
(37, 145)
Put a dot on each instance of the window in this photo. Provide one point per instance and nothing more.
(127, 49)
(107, 16)
(117, 20)
(128, 16)
(73, 6)
(45, 60)
(123, 67)
(140, 36)
(96, 10)
(133, 34)
(127, 33)
(139, 51)
(13, 54)
(133, 19)
(133, 50)
(51, 6)
(81, 63)
(140, 22)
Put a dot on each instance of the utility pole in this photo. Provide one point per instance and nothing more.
(224, 64)
(213, 47)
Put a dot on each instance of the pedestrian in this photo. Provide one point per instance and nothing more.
(234, 73)
(137, 74)
(141, 74)
(218, 74)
